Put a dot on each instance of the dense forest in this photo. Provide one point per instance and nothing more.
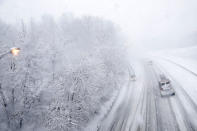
(66, 70)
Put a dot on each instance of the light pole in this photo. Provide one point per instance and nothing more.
(14, 51)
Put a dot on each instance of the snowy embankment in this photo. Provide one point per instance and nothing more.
(106, 108)
(187, 64)
(185, 58)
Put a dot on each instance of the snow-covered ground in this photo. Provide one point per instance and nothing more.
(106, 108)
(183, 57)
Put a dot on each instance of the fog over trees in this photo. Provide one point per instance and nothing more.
(66, 71)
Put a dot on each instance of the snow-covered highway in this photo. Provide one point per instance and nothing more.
(140, 107)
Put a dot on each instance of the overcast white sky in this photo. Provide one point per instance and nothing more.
(158, 23)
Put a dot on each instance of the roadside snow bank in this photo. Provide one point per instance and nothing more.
(106, 108)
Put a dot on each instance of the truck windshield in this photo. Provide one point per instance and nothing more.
(168, 82)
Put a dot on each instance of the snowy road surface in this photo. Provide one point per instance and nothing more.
(142, 108)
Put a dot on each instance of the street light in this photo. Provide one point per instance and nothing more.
(14, 51)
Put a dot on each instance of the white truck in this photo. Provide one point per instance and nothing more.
(165, 86)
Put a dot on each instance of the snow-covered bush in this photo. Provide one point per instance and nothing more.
(66, 71)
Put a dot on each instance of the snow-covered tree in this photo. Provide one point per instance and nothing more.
(66, 71)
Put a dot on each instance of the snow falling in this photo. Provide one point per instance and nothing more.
(108, 65)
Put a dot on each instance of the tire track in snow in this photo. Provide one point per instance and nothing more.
(151, 113)
(163, 119)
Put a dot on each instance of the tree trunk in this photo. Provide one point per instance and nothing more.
(5, 106)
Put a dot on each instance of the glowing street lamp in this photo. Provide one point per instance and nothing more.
(14, 51)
